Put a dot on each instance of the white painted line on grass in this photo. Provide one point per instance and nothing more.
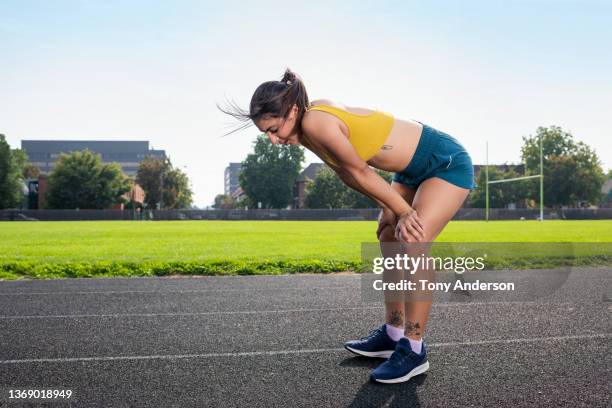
(304, 351)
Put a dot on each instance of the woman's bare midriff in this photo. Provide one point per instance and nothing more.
(398, 149)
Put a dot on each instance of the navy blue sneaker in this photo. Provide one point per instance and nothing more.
(376, 344)
(402, 365)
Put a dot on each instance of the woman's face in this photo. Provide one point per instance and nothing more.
(280, 130)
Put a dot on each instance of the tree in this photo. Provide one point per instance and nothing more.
(327, 190)
(157, 175)
(268, 174)
(502, 194)
(31, 171)
(150, 176)
(606, 199)
(572, 170)
(177, 193)
(81, 180)
(224, 202)
(12, 162)
(354, 199)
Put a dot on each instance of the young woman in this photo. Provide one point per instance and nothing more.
(433, 176)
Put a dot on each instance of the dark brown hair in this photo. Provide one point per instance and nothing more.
(272, 99)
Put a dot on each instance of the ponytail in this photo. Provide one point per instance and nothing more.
(289, 77)
(273, 98)
(294, 95)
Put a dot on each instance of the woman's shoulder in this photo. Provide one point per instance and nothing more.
(342, 107)
(318, 102)
(314, 118)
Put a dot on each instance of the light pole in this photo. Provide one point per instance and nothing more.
(541, 180)
(487, 180)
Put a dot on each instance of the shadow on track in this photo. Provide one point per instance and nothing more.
(373, 394)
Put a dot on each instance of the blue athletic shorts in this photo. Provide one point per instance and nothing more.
(438, 155)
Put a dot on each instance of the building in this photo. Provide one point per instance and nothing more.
(238, 194)
(135, 196)
(129, 154)
(299, 188)
(231, 178)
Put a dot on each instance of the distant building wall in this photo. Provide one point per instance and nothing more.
(231, 174)
(299, 188)
(129, 154)
(238, 194)
(136, 195)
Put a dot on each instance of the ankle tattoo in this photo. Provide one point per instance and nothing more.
(412, 329)
(396, 318)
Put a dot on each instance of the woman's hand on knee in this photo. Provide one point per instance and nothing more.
(409, 227)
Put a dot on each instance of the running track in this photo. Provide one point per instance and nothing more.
(264, 341)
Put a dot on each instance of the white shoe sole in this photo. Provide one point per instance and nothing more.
(415, 371)
(380, 354)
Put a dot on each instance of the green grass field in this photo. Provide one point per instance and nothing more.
(110, 248)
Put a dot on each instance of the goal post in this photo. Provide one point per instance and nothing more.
(540, 176)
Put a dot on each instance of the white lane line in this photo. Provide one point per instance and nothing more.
(304, 351)
(194, 313)
(174, 291)
(238, 312)
(524, 340)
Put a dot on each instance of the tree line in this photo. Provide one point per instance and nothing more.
(80, 179)
(573, 175)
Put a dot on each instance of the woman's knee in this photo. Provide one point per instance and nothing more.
(387, 234)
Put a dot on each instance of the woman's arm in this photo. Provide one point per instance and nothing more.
(350, 167)
(352, 183)
(374, 186)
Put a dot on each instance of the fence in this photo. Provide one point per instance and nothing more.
(289, 215)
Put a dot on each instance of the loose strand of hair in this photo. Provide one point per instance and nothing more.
(238, 113)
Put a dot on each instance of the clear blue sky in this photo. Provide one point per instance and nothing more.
(153, 70)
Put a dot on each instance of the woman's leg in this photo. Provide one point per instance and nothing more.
(436, 202)
(394, 308)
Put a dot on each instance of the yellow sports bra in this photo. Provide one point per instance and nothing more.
(367, 132)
